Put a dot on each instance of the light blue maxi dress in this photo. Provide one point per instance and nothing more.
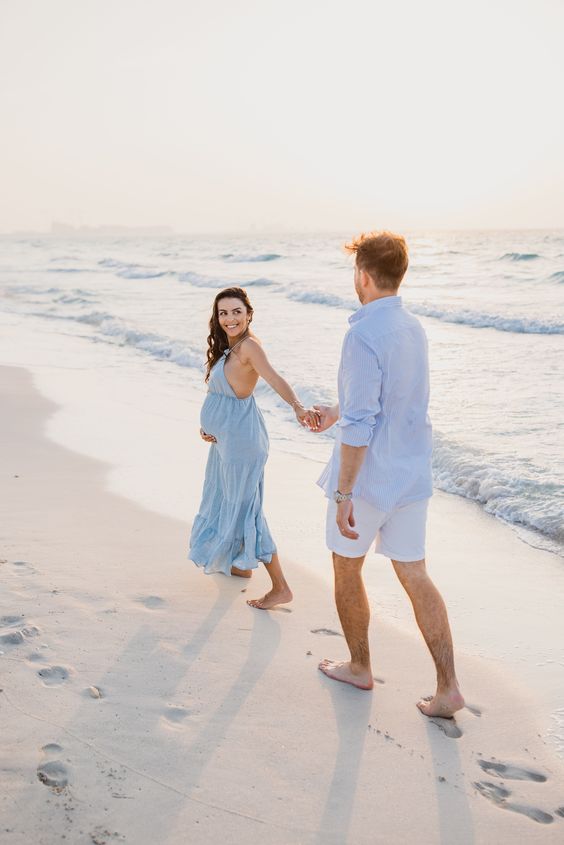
(230, 528)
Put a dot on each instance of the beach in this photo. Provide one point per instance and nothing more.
(312, 157)
(144, 702)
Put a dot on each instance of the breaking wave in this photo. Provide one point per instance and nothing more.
(201, 281)
(248, 259)
(528, 502)
(520, 256)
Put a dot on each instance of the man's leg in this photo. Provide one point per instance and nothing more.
(354, 613)
(280, 592)
(431, 616)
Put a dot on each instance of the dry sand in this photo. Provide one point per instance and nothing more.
(143, 702)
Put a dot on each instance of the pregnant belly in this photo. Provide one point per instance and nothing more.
(237, 426)
(213, 418)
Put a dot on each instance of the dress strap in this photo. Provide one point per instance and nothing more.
(235, 345)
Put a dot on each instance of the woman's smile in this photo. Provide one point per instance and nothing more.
(233, 317)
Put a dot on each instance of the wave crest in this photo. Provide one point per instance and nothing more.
(520, 256)
(235, 258)
(132, 271)
(482, 320)
(200, 281)
(164, 348)
(521, 501)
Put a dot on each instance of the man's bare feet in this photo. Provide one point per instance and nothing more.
(443, 704)
(271, 599)
(341, 670)
(242, 573)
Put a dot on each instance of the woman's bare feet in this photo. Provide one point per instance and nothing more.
(341, 670)
(242, 573)
(443, 704)
(276, 596)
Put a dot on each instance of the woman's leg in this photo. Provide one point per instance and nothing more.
(280, 592)
(242, 573)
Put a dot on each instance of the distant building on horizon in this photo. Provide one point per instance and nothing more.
(68, 230)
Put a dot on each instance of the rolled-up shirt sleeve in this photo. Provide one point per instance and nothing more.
(359, 402)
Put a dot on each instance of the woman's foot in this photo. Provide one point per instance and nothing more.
(278, 595)
(241, 573)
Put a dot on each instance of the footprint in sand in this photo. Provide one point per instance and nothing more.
(52, 772)
(474, 710)
(327, 632)
(35, 657)
(51, 749)
(12, 638)
(151, 602)
(23, 567)
(5, 621)
(18, 637)
(560, 812)
(53, 675)
(447, 726)
(175, 715)
(102, 836)
(509, 772)
(498, 795)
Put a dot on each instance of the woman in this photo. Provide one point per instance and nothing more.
(230, 533)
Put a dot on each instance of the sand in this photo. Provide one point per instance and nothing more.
(144, 702)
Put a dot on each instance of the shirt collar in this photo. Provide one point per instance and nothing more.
(375, 305)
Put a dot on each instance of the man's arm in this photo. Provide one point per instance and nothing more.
(352, 458)
(362, 387)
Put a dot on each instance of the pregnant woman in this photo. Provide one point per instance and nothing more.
(230, 534)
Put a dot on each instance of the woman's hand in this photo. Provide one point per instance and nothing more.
(209, 438)
(306, 418)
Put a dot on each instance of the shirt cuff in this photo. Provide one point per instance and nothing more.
(355, 434)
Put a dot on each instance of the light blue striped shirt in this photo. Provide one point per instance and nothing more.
(383, 386)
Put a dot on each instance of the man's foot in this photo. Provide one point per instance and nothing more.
(242, 573)
(443, 704)
(341, 670)
(271, 599)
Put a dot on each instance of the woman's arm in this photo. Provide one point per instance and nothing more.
(254, 354)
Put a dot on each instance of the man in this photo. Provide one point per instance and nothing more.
(379, 478)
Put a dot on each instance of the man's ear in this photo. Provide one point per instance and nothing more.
(365, 278)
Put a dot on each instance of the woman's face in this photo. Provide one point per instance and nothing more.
(233, 316)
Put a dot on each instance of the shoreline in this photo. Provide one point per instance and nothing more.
(211, 712)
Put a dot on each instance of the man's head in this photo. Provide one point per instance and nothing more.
(381, 263)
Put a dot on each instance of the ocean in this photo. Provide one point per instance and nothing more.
(492, 304)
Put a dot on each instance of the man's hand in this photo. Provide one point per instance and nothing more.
(345, 520)
(328, 416)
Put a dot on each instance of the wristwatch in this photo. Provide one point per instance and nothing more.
(342, 497)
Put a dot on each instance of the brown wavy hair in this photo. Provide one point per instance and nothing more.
(217, 339)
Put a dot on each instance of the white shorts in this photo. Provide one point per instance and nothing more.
(399, 534)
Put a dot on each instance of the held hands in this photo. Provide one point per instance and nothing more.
(209, 438)
(327, 416)
(307, 418)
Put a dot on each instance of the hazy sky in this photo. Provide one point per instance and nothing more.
(214, 115)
